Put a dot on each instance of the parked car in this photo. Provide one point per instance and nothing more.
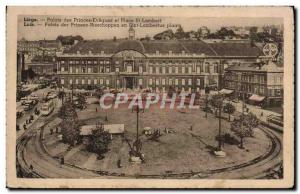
(28, 107)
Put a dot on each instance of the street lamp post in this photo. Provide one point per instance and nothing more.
(137, 145)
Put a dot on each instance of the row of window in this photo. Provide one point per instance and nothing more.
(89, 81)
(152, 81)
(141, 69)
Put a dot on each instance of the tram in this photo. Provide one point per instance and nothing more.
(47, 108)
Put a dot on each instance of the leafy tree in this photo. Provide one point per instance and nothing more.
(243, 127)
(81, 101)
(99, 141)
(230, 109)
(216, 101)
(28, 74)
(69, 126)
(180, 34)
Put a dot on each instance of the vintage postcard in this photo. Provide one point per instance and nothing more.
(150, 97)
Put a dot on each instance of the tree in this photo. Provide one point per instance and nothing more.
(216, 101)
(230, 109)
(28, 74)
(69, 126)
(180, 34)
(99, 141)
(243, 127)
(81, 101)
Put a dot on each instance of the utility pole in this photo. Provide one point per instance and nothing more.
(220, 124)
(72, 92)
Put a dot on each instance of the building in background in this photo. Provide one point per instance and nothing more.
(20, 66)
(257, 83)
(188, 65)
(43, 65)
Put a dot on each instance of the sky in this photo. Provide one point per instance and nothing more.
(40, 30)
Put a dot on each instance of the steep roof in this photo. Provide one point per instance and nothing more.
(235, 49)
(164, 46)
(269, 67)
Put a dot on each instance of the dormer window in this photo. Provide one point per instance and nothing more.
(90, 52)
(183, 52)
(102, 52)
(157, 52)
(78, 52)
(170, 53)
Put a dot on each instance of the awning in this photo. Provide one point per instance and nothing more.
(226, 91)
(257, 98)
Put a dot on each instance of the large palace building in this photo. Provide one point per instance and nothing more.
(188, 65)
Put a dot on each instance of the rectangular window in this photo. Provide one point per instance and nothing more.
(150, 69)
(150, 81)
(190, 70)
(83, 69)
(140, 82)
(101, 81)
(76, 81)
(198, 82)
(107, 82)
(71, 70)
(176, 82)
(183, 81)
(140, 69)
(95, 69)
(62, 81)
(95, 81)
(107, 69)
(163, 81)
(89, 70)
(71, 81)
(77, 70)
(176, 69)
(198, 69)
(170, 82)
(170, 69)
(183, 69)
(82, 81)
(129, 68)
(164, 70)
(157, 81)
(117, 69)
(190, 81)
(62, 69)
(157, 70)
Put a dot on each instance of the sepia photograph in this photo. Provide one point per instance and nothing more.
(125, 97)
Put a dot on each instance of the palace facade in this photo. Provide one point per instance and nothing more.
(188, 65)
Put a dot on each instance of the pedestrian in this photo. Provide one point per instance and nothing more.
(262, 113)
(96, 109)
(51, 131)
(56, 130)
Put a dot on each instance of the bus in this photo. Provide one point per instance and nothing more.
(47, 108)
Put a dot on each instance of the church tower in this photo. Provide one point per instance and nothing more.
(131, 33)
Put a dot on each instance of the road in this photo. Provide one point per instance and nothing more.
(31, 152)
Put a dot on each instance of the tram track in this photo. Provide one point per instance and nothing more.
(271, 154)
